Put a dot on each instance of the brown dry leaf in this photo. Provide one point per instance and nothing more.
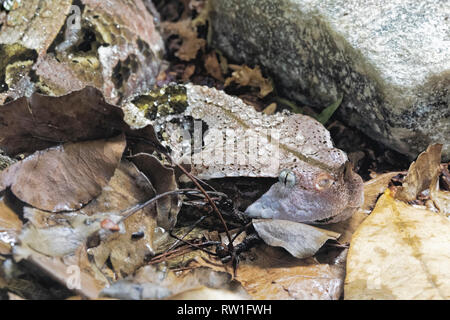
(399, 252)
(191, 44)
(40, 122)
(299, 239)
(126, 250)
(246, 76)
(83, 283)
(213, 67)
(188, 72)
(269, 273)
(10, 227)
(66, 177)
(422, 174)
(423, 177)
(270, 109)
(163, 180)
(64, 235)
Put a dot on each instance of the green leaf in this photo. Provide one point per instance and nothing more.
(326, 114)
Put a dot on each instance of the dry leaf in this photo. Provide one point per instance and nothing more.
(88, 286)
(372, 190)
(64, 234)
(399, 252)
(191, 44)
(422, 174)
(299, 239)
(246, 76)
(269, 273)
(270, 109)
(163, 180)
(213, 67)
(188, 72)
(66, 177)
(40, 122)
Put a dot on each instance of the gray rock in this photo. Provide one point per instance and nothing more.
(390, 59)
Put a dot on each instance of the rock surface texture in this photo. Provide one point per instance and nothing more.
(389, 58)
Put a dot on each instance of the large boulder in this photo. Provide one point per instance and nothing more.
(389, 58)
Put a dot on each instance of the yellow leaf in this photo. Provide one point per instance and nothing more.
(245, 76)
(399, 252)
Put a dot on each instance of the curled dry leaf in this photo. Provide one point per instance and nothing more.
(66, 177)
(299, 239)
(246, 76)
(423, 177)
(191, 44)
(163, 180)
(213, 67)
(422, 174)
(399, 252)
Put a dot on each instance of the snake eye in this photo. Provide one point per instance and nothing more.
(287, 177)
(323, 181)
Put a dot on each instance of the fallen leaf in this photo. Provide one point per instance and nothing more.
(61, 234)
(422, 174)
(372, 190)
(88, 286)
(66, 177)
(213, 67)
(190, 43)
(299, 239)
(269, 273)
(399, 252)
(163, 180)
(40, 122)
(270, 109)
(188, 72)
(246, 76)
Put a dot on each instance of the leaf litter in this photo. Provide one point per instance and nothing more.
(401, 251)
(117, 254)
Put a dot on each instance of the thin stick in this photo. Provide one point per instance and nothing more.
(130, 211)
(213, 204)
(185, 235)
